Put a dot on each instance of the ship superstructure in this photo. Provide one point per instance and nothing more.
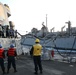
(6, 26)
(4, 14)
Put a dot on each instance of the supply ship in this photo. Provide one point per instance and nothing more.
(62, 42)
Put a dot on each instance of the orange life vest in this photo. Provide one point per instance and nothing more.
(11, 52)
(1, 52)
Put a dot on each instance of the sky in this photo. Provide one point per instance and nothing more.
(28, 14)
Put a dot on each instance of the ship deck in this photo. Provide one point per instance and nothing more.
(50, 67)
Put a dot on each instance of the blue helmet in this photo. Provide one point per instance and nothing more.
(0, 46)
(12, 46)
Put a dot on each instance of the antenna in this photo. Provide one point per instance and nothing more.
(46, 20)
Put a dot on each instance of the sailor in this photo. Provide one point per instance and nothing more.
(11, 53)
(36, 53)
(7, 31)
(11, 32)
(2, 56)
(0, 30)
(15, 33)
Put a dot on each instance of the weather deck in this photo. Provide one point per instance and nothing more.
(25, 67)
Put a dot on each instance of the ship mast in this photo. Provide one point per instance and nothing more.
(46, 20)
(69, 27)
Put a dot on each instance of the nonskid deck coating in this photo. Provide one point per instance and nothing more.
(25, 67)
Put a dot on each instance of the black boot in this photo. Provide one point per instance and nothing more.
(4, 72)
(36, 73)
(15, 71)
(41, 72)
(7, 71)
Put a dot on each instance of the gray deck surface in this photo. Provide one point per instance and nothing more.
(25, 67)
